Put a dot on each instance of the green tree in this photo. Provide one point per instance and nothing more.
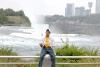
(3, 18)
(21, 13)
(9, 12)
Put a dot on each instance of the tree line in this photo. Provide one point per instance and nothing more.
(10, 12)
(90, 19)
(5, 13)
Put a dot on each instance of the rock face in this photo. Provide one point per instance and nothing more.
(87, 29)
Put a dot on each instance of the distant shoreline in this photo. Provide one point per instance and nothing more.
(86, 29)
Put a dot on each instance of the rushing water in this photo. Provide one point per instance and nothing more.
(25, 40)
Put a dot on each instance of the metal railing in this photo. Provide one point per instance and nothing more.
(48, 58)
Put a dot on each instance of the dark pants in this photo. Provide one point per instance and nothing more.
(47, 50)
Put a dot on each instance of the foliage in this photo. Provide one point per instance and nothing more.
(3, 17)
(5, 20)
(72, 50)
(90, 19)
(6, 51)
(54, 18)
(18, 20)
(10, 12)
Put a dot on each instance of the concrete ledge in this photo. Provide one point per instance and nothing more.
(47, 61)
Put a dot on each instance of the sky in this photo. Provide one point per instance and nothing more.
(32, 8)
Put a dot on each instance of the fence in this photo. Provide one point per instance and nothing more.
(47, 61)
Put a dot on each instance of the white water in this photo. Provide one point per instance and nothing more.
(25, 40)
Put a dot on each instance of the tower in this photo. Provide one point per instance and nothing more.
(90, 6)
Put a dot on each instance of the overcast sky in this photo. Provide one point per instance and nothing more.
(43, 7)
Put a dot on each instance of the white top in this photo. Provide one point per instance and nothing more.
(51, 41)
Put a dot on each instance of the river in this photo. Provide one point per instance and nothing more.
(25, 40)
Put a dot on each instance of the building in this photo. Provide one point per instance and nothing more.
(69, 10)
(80, 11)
(86, 12)
(97, 6)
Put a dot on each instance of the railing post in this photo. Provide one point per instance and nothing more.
(47, 61)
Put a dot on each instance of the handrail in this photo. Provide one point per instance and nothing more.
(59, 63)
(56, 56)
(11, 63)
